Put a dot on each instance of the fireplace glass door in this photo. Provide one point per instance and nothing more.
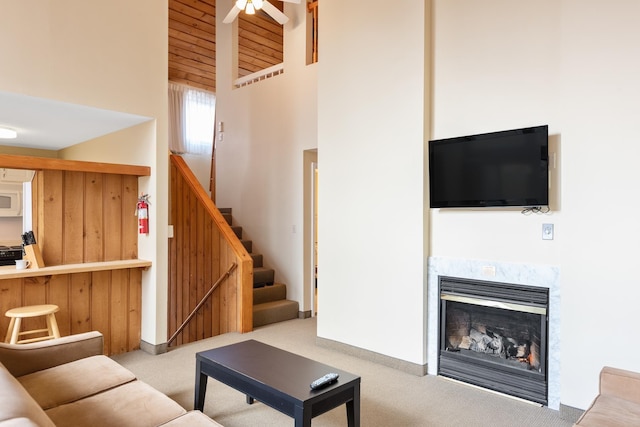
(494, 335)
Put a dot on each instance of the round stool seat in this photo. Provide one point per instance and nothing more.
(19, 313)
(32, 310)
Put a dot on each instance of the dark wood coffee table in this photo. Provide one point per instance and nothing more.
(279, 379)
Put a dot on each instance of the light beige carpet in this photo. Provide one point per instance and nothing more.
(388, 397)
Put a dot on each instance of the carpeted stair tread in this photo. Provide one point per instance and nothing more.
(277, 291)
(257, 260)
(269, 300)
(248, 245)
(274, 311)
(227, 217)
(237, 230)
(263, 276)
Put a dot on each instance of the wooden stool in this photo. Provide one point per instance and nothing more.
(17, 314)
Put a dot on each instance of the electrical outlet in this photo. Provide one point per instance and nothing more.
(547, 231)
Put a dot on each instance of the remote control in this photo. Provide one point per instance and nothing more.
(324, 381)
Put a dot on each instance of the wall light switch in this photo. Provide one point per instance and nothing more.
(547, 231)
(170, 231)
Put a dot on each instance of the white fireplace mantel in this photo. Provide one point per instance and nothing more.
(522, 274)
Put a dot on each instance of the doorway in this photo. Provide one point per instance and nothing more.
(315, 239)
(310, 257)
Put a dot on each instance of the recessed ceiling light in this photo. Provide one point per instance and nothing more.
(7, 133)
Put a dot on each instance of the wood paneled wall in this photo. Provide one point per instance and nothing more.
(202, 250)
(105, 301)
(192, 42)
(260, 42)
(84, 217)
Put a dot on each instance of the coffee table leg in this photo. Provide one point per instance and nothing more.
(302, 417)
(201, 388)
(353, 408)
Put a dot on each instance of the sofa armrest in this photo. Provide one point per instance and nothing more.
(620, 383)
(22, 359)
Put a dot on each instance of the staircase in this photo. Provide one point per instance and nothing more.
(270, 303)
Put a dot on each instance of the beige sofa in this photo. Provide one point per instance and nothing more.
(618, 404)
(68, 382)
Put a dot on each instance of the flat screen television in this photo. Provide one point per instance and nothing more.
(499, 169)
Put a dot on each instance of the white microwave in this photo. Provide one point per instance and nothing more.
(10, 200)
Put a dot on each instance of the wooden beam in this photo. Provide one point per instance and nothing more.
(43, 163)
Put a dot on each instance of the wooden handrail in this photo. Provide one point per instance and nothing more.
(210, 207)
(202, 301)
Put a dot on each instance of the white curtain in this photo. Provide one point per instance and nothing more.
(191, 119)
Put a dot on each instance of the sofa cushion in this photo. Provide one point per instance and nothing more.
(131, 404)
(610, 411)
(16, 402)
(75, 380)
(192, 419)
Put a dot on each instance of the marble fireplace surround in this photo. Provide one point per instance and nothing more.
(522, 274)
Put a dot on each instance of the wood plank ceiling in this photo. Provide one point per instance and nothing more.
(192, 42)
(260, 42)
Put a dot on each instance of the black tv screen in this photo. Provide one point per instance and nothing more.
(501, 169)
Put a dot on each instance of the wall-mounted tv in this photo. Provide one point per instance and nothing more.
(499, 169)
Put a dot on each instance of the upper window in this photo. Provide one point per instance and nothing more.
(260, 42)
(191, 119)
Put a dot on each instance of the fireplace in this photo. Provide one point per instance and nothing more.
(494, 335)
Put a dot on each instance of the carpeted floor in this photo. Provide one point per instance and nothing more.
(388, 397)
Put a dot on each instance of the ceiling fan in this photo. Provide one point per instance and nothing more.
(250, 7)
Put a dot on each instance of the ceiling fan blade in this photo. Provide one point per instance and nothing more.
(232, 15)
(273, 12)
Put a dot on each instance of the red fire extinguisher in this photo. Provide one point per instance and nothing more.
(142, 209)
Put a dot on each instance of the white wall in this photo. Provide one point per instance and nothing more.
(574, 65)
(259, 164)
(200, 165)
(371, 113)
(110, 55)
(599, 105)
(495, 72)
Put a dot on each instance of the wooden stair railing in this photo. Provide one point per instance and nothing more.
(202, 248)
(201, 303)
